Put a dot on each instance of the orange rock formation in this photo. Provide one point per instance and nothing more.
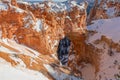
(57, 23)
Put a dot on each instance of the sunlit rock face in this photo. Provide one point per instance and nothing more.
(41, 25)
(31, 32)
(82, 53)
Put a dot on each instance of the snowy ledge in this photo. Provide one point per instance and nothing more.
(107, 27)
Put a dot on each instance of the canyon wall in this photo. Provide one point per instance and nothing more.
(37, 26)
(104, 9)
(40, 26)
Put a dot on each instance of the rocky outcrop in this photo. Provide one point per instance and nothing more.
(22, 57)
(14, 3)
(109, 42)
(82, 53)
(102, 36)
(104, 9)
(38, 26)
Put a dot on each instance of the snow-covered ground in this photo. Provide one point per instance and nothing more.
(8, 72)
(16, 48)
(21, 70)
(3, 6)
(109, 64)
(60, 76)
(107, 27)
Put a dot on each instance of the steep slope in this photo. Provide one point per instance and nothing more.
(25, 60)
(104, 34)
(9, 72)
(30, 33)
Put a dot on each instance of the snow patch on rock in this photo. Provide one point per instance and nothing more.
(107, 27)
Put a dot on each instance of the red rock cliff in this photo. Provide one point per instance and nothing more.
(23, 20)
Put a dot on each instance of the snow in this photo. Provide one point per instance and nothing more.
(57, 7)
(17, 9)
(88, 72)
(49, 39)
(32, 60)
(108, 67)
(28, 20)
(22, 2)
(3, 6)
(18, 49)
(111, 29)
(59, 75)
(0, 34)
(54, 56)
(107, 27)
(41, 5)
(7, 72)
(18, 60)
(20, 72)
(81, 6)
(50, 4)
(68, 17)
(54, 44)
(38, 25)
(73, 3)
(111, 12)
(4, 49)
